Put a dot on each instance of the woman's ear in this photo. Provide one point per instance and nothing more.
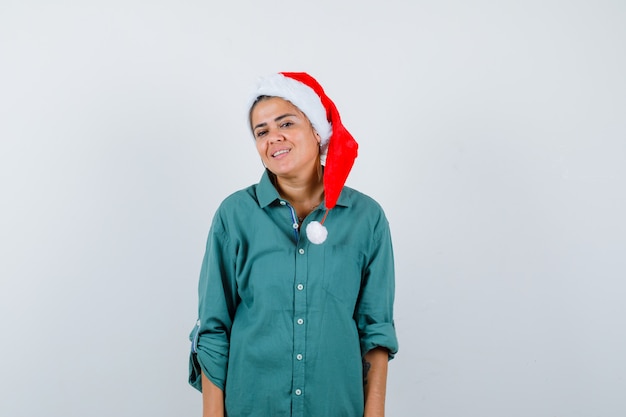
(318, 137)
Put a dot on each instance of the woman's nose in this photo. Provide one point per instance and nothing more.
(275, 136)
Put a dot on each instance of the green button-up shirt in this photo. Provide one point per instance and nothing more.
(283, 323)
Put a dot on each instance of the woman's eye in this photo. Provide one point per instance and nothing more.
(261, 133)
(286, 124)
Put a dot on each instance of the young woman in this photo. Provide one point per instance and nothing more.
(297, 284)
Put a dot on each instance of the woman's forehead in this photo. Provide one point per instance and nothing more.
(271, 107)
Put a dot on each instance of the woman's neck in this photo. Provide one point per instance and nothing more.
(304, 194)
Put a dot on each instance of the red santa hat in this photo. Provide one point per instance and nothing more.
(338, 147)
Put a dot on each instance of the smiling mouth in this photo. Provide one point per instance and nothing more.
(278, 153)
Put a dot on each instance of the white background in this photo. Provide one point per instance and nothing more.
(493, 134)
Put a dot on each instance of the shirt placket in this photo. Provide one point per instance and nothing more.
(299, 319)
(299, 333)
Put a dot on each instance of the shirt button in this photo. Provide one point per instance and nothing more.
(295, 225)
(301, 251)
(300, 287)
(299, 357)
(298, 392)
(300, 321)
(282, 203)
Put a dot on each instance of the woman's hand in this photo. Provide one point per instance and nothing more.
(375, 381)
(212, 399)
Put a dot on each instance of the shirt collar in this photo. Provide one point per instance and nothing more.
(267, 194)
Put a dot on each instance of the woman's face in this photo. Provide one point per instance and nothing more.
(285, 139)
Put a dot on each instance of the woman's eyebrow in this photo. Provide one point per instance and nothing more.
(279, 118)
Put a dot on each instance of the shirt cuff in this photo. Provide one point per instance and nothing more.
(211, 358)
(379, 335)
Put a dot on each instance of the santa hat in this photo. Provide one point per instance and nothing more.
(338, 147)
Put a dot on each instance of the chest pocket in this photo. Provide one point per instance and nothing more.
(343, 269)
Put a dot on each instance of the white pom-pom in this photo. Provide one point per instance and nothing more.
(316, 232)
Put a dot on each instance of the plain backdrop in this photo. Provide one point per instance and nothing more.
(493, 133)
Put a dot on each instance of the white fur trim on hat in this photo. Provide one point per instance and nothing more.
(300, 95)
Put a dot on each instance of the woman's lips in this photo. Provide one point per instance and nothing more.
(280, 152)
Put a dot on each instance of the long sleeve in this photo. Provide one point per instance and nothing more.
(374, 312)
(217, 303)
